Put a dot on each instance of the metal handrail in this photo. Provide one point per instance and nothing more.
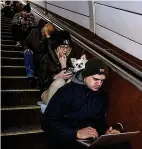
(116, 68)
(131, 68)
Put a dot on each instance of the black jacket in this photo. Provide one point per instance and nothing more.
(74, 106)
(45, 59)
(49, 64)
(34, 40)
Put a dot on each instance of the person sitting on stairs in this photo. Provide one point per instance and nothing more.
(16, 27)
(53, 68)
(78, 110)
(34, 42)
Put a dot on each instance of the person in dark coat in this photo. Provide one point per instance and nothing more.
(36, 40)
(16, 27)
(54, 64)
(78, 109)
(27, 20)
(7, 11)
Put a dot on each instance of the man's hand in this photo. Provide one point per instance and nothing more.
(112, 131)
(87, 133)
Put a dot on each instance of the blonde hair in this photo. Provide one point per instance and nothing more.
(67, 54)
(48, 27)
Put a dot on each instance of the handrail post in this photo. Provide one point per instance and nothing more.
(91, 15)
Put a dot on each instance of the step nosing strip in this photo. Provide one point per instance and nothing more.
(7, 40)
(21, 90)
(10, 51)
(20, 108)
(14, 77)
(12, 58)
(5, 45)
(6, 26)
(22, 132)
(13, 66)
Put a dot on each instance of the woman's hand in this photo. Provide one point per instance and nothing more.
(63, 75)
(112, 131)
(63, 61)
(87, 133)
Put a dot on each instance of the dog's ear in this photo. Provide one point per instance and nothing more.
(83, 57)
(73, 60)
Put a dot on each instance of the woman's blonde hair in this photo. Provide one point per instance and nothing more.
(68, 52)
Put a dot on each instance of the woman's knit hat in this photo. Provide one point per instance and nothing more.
(94, 66)
(63, 38)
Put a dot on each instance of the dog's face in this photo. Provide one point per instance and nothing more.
(79, 64)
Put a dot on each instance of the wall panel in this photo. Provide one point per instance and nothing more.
(119, 27)
(123, 43)
(133, 6)
(72, 6)
(77, 18)
(40, 3)
(121, 22)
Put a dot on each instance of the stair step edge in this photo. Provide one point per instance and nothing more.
(20, 108)
(21, 90)
(22, 132)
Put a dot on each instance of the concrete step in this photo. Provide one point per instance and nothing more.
(6, 53)
(13, 71)
(19, 116)
(14, 61)
(11, 98)
(15, 83)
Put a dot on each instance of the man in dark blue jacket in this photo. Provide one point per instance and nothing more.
(77, 110)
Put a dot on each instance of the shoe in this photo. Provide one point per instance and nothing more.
(18, 43)
(40, 103)
(42, 106)
(118, 126)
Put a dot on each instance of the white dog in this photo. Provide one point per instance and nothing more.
(79, 64)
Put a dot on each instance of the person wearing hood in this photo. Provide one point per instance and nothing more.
(16, 27)
(35, 40)
(77, 110)
(54, 64)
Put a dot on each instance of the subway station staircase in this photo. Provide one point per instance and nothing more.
(20, 115)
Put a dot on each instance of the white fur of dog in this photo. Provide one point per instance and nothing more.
(79, 64)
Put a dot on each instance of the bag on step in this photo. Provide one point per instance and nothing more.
(28, 58)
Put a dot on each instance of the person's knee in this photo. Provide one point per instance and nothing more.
(59, 83)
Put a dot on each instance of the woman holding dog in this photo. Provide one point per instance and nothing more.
(54, 64)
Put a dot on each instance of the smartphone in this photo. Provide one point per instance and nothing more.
(70, 70)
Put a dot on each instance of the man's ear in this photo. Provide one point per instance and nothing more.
(73, 60)
(83, 57)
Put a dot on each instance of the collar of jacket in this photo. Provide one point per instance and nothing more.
(52, 52)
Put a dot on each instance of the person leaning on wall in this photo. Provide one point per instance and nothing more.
(78, 110)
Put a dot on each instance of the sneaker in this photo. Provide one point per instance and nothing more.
(18, 43)
(42, 106)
